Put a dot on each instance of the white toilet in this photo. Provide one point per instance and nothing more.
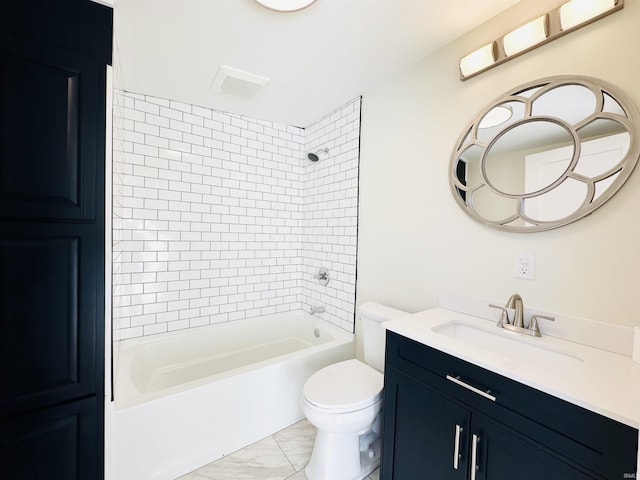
(344, 401)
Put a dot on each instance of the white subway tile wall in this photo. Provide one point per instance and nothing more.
(219, 217)
(330, 214)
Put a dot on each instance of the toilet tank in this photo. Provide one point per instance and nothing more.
(373, 334)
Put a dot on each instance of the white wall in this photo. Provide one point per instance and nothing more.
(415, 241)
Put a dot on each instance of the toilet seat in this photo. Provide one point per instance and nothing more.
(346, 386)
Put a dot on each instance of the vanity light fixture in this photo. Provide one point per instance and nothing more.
(557, 22)
(576, 12)
(527, 36)
(478, 61)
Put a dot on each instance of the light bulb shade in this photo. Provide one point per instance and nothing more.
(478, 60)
(525, 36)
(575, 12)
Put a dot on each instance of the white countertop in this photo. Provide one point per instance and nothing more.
(603, 382)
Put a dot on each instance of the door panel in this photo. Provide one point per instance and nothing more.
(47, 135)
(39, 103)
(57, 443)
(47, 299)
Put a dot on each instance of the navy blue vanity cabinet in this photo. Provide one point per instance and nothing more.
(424, 431)
(437, 430)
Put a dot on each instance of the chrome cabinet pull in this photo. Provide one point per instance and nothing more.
(474, 456)
(485, 394)
(456, 447)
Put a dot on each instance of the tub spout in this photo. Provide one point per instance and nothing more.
(317, 310)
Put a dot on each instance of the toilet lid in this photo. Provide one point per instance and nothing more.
(345, 386)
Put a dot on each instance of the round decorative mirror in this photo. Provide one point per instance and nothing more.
(545, 154)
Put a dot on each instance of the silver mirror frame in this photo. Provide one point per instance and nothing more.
(623, 169)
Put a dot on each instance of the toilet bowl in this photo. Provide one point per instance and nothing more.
(343, 401)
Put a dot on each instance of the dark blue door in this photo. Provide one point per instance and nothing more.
(53, 58)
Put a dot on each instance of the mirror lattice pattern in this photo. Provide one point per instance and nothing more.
(545, 154)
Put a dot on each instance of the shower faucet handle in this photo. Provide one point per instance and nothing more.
(322, 276)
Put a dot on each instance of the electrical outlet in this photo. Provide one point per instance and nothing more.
(525, 266)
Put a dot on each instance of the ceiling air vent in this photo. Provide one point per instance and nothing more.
(237, 82)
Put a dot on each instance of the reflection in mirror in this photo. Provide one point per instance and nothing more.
(558, 203)
(471, 158)
(571, 103)
(600, 127)
(602, 156)
(488, 126)
(496, 116)
(516, 224)
(493, 207)
(611, 106)
(464, 141)
(468, 169)
(529, 92)
(507, 157)
(568, 145)
(603, 185)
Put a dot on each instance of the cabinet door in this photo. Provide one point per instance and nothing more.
(502, 454)
(426, 429)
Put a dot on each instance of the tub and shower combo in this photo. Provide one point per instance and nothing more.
(186, 398)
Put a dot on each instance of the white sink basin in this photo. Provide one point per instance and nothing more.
(516, 346)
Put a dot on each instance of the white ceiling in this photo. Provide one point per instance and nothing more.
(317, 59)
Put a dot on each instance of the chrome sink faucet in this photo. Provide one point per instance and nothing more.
(515, 303)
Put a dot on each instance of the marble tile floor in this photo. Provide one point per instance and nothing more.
(282, 456)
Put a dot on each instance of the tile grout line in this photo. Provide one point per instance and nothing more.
(295, 471)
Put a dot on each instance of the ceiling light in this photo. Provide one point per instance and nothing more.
(556, 22)
(285, 5)
(478, 60)
(575, 12)
(526, 36)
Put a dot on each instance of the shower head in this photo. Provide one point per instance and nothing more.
(315, 156)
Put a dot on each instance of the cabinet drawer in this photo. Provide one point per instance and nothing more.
(586, 439)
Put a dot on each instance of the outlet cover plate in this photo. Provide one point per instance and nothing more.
(524, 266)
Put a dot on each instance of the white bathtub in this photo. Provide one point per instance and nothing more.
(187, 398)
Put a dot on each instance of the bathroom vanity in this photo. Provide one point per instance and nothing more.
(479, 418)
